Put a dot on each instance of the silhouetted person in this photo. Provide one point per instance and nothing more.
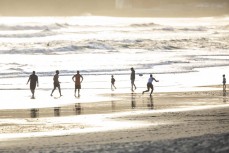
(150, 84)
(77, 78)
(33, 79)
(112, 82)
(56, 82)
(132, 78)
(224, 83)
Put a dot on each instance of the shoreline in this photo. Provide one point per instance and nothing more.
(126, 121)
(176, 130)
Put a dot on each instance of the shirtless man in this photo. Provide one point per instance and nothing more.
(132, 78)
(56, 83)
(77, 78)
(33, 79)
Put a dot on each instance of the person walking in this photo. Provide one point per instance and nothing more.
(33, 79)
(150, 84)
(78, 79)
(112, 83)
(56, 83)
(132, 78)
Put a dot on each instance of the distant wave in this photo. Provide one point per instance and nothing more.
(29, 27)
(112, 46)
(168, 29)
(43, 33)
(196, 29)
(99, 45)
(144, 25)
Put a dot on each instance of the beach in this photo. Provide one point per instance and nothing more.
(188, 111)
(195, 121)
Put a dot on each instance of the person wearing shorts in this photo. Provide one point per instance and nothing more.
(33, 79)
(150, 84)
(56, 83)
(77, 78)
(132, 78)
(112, 83)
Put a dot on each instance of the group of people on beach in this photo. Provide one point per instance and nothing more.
(33, 79)
(78, 78)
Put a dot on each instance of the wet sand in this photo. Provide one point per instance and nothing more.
(129, 122)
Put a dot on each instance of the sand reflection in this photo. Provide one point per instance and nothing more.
(57, 111)
(34, 113)
(133, 100)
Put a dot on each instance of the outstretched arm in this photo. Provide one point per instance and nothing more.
(156, 80)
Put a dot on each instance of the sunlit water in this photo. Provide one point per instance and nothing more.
(180, 52)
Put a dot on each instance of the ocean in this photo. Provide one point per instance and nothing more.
(180, 52)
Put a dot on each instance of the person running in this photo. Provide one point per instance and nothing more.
(33, 79)
(224, 83)
(132, 78)
(56, 83)
(112, 82)
(78, 79)
(150, 84)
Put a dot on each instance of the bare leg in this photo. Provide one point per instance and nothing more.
(135, 86)
(151, 91)
(59, 90)
(53, 91)
(32, 91)
(146, 90)
(78, 92)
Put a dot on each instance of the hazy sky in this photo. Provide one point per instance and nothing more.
(114, 7)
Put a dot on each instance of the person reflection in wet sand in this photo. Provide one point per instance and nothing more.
(133, 101)
(78, 109)
(57, 111)
(78, 79)
(150, 84)
(33, 79)
(56, 83)
(112, 102)
(34, 113)
(224, 83)
(150, 102)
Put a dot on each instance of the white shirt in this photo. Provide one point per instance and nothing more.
(150, 80)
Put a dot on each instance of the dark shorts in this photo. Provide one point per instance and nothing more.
(55, 84)
(150, 85)
(132, 81)
(77, 86)
(32, 86)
